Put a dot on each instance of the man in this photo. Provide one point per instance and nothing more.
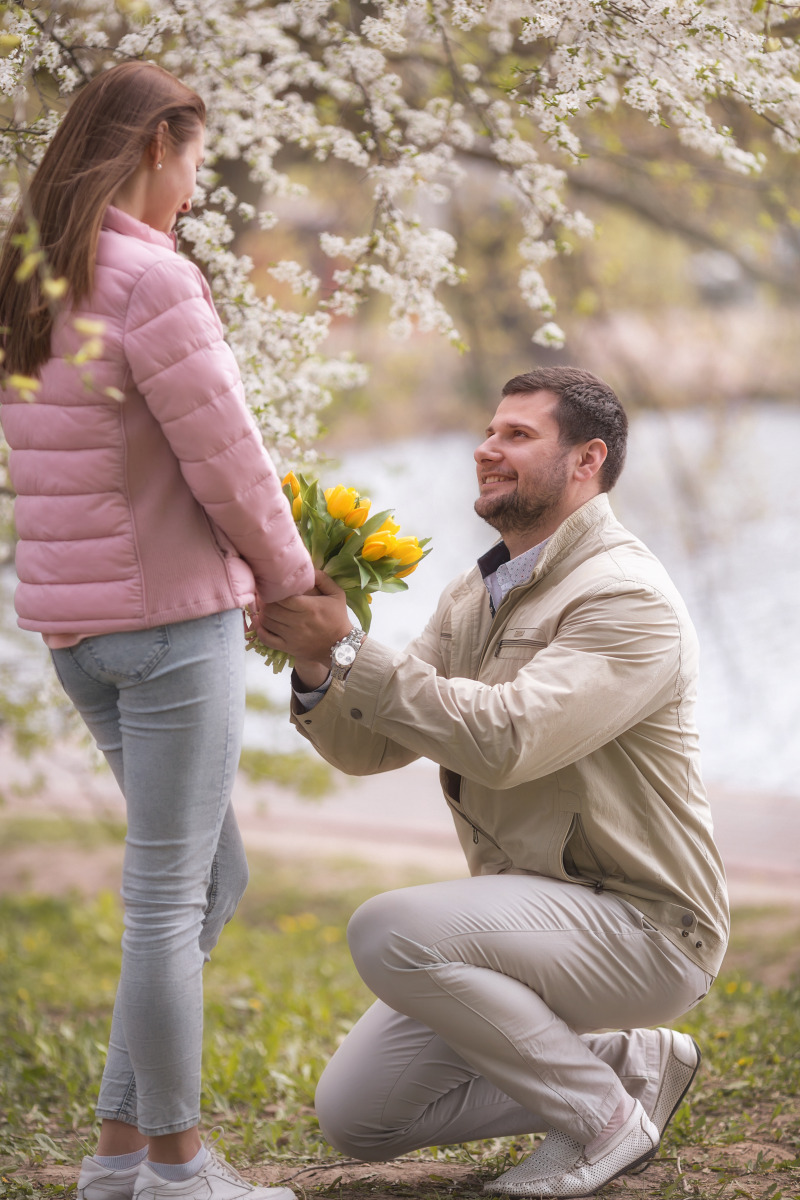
(555, 686)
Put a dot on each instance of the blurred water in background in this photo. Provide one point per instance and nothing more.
(715, 495)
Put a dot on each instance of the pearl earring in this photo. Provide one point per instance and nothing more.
(159, 166)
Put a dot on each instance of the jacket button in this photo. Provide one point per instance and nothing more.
(685, 933)
(306, 722)
(698, 945)
(356, 714)
(686, 919)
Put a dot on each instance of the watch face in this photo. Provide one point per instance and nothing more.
(344, 655)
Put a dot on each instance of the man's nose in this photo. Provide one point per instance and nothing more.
(486, 450)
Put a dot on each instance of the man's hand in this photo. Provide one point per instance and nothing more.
(307, 627)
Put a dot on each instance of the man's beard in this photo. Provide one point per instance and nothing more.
(517, 512)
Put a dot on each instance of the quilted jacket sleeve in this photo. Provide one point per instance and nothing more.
(190, 380)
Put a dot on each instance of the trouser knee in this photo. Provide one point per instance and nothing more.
(343, 1113)
(388, 938)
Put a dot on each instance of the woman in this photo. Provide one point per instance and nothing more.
(149, 514)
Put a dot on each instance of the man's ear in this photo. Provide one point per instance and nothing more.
(593, 455)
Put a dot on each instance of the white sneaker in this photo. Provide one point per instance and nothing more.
(216, 1180)
(680, 1062)
(632, 1144)
(101, 1183)
(557, 1154)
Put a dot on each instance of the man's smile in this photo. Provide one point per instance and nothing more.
(495, 477)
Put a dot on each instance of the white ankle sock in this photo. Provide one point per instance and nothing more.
(618, 1119)
(178, 1171)
(121, 1162)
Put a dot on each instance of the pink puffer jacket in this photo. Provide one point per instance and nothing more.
(164, 506)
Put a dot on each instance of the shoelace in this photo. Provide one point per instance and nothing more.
(222, 1164)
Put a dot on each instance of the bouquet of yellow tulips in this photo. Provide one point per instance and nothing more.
(362, 553)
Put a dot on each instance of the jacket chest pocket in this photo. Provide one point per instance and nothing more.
(519, 643)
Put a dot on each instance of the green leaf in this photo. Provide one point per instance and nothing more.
(393, 584)
(359, 605)
(373, 523)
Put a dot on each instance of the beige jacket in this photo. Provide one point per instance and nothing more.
(564, 727)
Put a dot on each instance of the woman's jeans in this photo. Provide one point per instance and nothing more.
(166, 707)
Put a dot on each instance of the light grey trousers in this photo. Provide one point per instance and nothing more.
(489, 990)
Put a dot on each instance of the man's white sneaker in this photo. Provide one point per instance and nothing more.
(555, 1155)
(680, 1062)
(216, 1180)
(632, 1144)
(100, 1183)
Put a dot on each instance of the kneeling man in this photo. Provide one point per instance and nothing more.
(555, 686)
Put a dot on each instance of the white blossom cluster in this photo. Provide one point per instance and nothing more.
(404, 94)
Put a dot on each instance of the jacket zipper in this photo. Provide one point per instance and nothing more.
(597, 884)
(528, 642)
(476, 829)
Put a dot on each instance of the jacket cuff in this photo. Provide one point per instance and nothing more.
(323, 715)
(365, 682)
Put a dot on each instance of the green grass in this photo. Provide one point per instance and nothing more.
(280, 993)
(103, 830)
(304, 773)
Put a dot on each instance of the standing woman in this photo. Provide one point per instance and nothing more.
(149, 514)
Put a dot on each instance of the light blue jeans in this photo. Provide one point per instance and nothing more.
(166, 707)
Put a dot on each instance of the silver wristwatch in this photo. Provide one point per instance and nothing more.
(343, 654)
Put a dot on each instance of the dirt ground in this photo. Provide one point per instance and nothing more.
(744, 1169)
(749, 1169)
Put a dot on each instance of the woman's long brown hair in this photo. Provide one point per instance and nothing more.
(98, 145)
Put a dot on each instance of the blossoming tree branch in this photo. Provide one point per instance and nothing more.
(406, 95)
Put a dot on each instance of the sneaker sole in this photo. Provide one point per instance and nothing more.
(641, 1163)
(643, 1167)
(634, 1168)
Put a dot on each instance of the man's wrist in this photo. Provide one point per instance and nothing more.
(311, 674)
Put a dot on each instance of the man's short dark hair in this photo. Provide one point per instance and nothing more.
(587, 408)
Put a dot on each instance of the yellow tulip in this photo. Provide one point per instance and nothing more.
(341, 501)
(376, 546)
(358, 516)
(389, 526)
(292, 481)
(297, 507)
(409, 553)
(407, 549)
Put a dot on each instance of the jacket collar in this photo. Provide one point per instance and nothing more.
(591, 514)
(587, 517)
(122, 222)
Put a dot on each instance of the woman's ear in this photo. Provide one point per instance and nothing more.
(158, 145)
